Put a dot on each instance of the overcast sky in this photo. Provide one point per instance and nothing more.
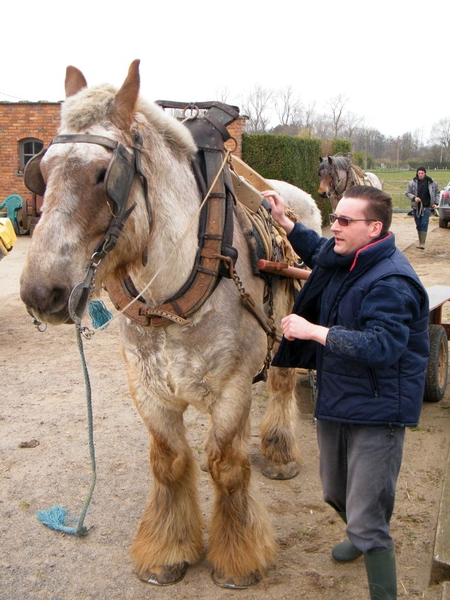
(389, 59)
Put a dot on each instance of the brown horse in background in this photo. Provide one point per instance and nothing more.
(122, 203)
(337, 174)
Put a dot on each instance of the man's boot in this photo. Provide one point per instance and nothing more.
(345, 551)
(381, 574)
(422, 238)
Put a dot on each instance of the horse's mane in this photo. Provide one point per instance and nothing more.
(91, 106)
(341, 162)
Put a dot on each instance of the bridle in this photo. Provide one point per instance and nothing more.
(335, 188)
(336, 181)
(120, 174)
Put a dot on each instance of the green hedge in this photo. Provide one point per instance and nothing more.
(284, 157)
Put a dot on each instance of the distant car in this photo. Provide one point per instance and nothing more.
(444, 206)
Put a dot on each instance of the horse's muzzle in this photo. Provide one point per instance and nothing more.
(49, 305)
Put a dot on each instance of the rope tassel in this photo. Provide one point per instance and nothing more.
(99, 314)
(55, 518)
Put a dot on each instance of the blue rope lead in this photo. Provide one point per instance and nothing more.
(55, 517)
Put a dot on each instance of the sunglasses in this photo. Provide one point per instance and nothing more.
(345, 221)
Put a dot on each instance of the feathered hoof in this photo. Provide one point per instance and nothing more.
(164, 575)
(235, 583)
(273, 470)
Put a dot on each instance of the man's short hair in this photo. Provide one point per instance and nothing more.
(378, 204)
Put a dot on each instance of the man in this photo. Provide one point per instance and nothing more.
(361, 320)
(424, 195)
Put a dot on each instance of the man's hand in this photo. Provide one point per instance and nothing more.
(277, 208)
(296, 327)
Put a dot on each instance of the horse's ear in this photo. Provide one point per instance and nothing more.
(74, 82)
(330, 160)
(320, 159)
(126, 98)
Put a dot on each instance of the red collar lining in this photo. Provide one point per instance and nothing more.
(368, 246)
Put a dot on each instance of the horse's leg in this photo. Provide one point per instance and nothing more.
(241, 543)
(280, 424)
(170, 533)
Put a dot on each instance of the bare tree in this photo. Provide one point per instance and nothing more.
(440, 132)
(287, 107)
(310, 118)
(351, 122)
(336, 106)
(323, 127)
(257, 107)
(222, 94)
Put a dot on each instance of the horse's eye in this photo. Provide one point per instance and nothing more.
(101, 176)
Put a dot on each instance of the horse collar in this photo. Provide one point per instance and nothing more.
(216, 255)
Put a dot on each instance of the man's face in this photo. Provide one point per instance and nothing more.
(358, 233)
(421, 174)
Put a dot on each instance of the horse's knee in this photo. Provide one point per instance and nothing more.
(230, 470)
(169, 465)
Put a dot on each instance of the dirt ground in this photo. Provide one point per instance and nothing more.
(43, 398)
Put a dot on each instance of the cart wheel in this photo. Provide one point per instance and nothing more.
(437, 370)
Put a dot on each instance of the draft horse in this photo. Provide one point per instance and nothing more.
(337, 174)
(122, 211)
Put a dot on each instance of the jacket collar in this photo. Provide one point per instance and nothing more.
(376, 250)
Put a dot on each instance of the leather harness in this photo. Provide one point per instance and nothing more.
(216, 255)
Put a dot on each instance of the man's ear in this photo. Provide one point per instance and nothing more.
(377, 227)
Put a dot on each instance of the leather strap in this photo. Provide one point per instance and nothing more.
(215, 234)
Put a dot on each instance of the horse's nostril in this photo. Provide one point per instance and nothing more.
(44, 299)
(58, 299)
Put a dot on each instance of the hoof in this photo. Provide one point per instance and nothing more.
(164, 575)
(281, 471)
(235, 583)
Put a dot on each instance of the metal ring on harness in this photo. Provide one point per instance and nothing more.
(194, 111)
(231, 138)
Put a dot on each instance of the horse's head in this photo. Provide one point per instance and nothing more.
(327, 174)
(333, 173)
(96, 203)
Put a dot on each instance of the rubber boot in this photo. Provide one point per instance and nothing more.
(381, 574)
(422, 238)
(345, 551)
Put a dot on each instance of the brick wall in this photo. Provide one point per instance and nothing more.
(236, 130)
(40, 120)
(20, 120)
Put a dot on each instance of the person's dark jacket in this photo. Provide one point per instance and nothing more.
(372, 369)
(413, 187)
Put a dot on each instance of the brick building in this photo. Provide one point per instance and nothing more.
(27, 127)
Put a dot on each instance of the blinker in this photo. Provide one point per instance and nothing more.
(32, 175)
(118, 179)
